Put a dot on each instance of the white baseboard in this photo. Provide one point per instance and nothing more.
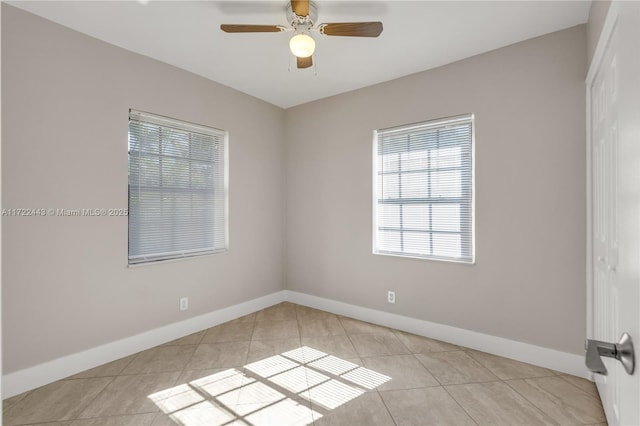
(41, 374)
(532, 354)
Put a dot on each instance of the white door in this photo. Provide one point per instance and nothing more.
(613, 87)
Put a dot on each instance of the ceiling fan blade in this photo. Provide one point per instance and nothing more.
(300, 7)
(352, 29)
(231, 28)
(304, 62)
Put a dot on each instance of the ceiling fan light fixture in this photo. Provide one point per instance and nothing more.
(302, 45)
(302, 17)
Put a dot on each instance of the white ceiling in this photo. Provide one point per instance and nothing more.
(418, 35)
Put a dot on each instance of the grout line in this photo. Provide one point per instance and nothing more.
(108, 416)
(351, 341)
(290, 395)
(533, 404)
(395, 334)
(303, 364)
(577, 387)
(7, 405)
(83, 409)
(425, 367)
(552, 373)
(114, 377)
(246, 357)
(128, 363)
(460, 405)
(386, 407)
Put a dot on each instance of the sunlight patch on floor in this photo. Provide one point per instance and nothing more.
(279, 390)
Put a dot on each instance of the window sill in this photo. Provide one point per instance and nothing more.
(177, 259)
(416, 257)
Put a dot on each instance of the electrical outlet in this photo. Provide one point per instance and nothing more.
(184, 303)
(391, 297)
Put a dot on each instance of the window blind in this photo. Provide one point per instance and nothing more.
(177, 188)
(423, 201)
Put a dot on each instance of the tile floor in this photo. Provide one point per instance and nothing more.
(290, 364)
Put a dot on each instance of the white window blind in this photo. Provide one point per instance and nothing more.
(177, 189)
(423, 201)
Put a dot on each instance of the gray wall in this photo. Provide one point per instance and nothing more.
(66, 286)
(597, 15)
(528, 283)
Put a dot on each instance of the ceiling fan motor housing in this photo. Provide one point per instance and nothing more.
(295, 20)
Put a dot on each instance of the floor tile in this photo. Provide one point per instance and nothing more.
(161, 359)
(202, 414)
(285, 412)
(8, 402)
(245, 318)
(130, 420)
(305, 312)
(423, 407)
(584, 384)
(188, 376)
(281, 312)
(162, 419)
(224, 387)
(366, 409)
(405, 372)
(495, 403)
(271, 330)
(506, 368)
(353, 326)
(563, 402)
(129, 395)
(260, 349)
(455, 368)
(214, 355)
(62, 400)
(357, 380)
(206, 400)
(291, 364)
(377, 344)
(339, 346)
(420, 345)
(323, 325)
(335, 366)
(229, 332)
(298, 381)
(191, 339)
(110, 369)
(254, 398)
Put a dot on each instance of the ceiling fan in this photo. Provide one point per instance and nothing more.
(302, 15)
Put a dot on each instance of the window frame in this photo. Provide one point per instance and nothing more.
(220, 138)
(468, 257)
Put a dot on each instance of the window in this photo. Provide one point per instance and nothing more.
(177, 189)
(423, 198)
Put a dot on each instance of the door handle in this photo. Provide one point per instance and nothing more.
(622, 351)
